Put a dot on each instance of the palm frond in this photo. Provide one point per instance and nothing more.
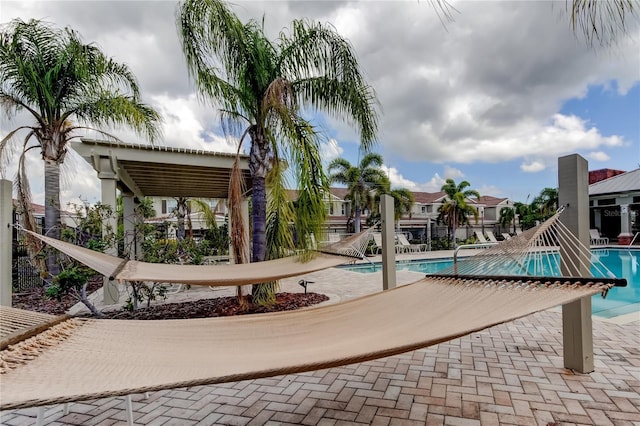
(601, 20)
(25, 212)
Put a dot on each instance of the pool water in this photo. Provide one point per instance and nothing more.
(622, 263)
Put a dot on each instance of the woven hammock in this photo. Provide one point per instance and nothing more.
(338, 253)
(81, 359)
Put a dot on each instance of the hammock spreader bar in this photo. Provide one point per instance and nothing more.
(610, 282)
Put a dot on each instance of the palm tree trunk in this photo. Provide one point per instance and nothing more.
(259, 167)
(259, 216)
(356, 219)
(52, 222)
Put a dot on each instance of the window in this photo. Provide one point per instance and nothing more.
(164, 207)
(331, 209)
(171, 205)
(606, 201)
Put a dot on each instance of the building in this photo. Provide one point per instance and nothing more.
(614, 206)
(421, 222)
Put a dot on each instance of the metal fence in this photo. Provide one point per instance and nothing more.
(24, 276)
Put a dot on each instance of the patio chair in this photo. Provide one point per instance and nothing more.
(492, 238)
(481, 239)
(377, 243)
(596, 238)
(404, 244)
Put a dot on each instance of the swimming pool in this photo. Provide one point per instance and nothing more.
(620, 300)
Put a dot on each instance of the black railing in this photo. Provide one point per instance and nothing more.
(24, 276)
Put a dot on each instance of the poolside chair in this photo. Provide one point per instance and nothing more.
(334, 238)
(596, 238)
(377, 240)
(404, 244)
(377, 243)
(481, 239)
(506, 236)
(492, 238)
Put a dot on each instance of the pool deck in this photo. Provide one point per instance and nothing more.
(510, 374)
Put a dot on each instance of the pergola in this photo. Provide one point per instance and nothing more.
(146, 170)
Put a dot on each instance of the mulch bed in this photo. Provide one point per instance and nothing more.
(218, 307)
(35, 300)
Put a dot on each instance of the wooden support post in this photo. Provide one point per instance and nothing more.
(388, 243)
(573, 192)
(6, 231)
(129, 224)
(108, 182)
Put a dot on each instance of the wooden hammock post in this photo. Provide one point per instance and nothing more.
(129, 225)
(108, 181)
(388, 243)
(573, 192)
(6, 219)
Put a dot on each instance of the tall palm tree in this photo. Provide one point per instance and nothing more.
(260, 85)
(65, 85)
(360, 180)
(403, 201)
(546, 202)
(508, 217)
(456, 210)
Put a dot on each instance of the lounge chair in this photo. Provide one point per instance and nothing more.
(404, 244)
(481, 239)
(492, 238)
(506, 236)
(377, 243)
(596, 238)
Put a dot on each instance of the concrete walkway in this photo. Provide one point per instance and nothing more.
(510, 374)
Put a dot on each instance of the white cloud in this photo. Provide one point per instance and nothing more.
(488, 89)
(532, 167)
(330, 150)
(492, 190)
(452, 173)
(397, 180)
(599, 156)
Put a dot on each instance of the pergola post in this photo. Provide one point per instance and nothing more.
(129, 224)
(108, 181)
(625, 236)
(573, 193)
(6, 231)
(388, 243)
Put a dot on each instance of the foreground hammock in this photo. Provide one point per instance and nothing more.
(346, 250)
(81, 359)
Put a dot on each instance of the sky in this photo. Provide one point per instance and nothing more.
(494, 97)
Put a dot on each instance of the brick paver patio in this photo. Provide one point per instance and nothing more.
(510, 374)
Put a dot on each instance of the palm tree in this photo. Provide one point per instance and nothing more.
(546, 202)
(260, 85)
(455, 211)
(360, 181)
(60, 81)
(403, 200)
(507, 217)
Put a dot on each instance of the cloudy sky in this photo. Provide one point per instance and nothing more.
(494, 97)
